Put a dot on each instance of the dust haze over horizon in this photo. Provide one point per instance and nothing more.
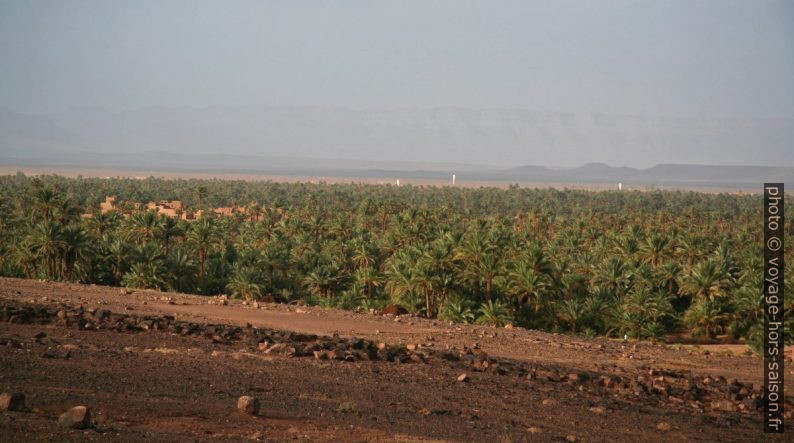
(506, 83)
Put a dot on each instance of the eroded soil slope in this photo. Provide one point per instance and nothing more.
(154, 366)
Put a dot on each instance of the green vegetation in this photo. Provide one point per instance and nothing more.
(648, 264)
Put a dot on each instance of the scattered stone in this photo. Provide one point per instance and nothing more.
(411, 346)
(548, 402)
(570, 437)
(534, 430)
(600, 410)
(14, 401)
(248, 405)
(663, 426)
(463, 377)
(509, 326)
(79, 417)
(347, 406)
(336, 354)
(724, 405)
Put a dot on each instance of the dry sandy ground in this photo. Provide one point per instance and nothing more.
(462, 182)
(160, 385)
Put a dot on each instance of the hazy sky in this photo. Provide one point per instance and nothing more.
(663, 57)
(677, 58)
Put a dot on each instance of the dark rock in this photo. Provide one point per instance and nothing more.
(14, 401)
(393, 310)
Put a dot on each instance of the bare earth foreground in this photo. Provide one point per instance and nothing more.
(169, 367)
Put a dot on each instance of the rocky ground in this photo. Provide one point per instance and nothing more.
(153, 366)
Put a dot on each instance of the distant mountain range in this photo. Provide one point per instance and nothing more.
(299, 141)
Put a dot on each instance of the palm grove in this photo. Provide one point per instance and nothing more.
(649, 264)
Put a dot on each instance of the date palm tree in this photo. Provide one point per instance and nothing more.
(324, 280)
(149, 275)
(142, 227)
(493, 314)
(243, 283)
(708, 317)
(119, 252)
(525, 285)
(614, 275)
(76, 246)
(47, 240)
(571, 312)
(655, 249)
(708, 280)
(202, 236)
(170, 228)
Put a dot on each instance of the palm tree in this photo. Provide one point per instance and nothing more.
(655, 249)
(493, 314)
(369, 278)
(101, 223)
(26, 254)
(426, 283)
(201, 194)
(243, 283)
(169, 228)
(524, 284)
(46, 201)
(640, 309)
(401, 281)
(707, 280)
(457, 310)
(202, 235)
(689, 249)
(182, 271)
(571, 311)
(47, 240)
(707, 317)
(120, 253)
(613, 274)
(323, 280)
(150, 275)
(76, 246)
(669, 275)
(142, 227)
(536, 259)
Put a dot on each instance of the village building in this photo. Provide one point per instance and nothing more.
(173, 208)
(108, 205)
